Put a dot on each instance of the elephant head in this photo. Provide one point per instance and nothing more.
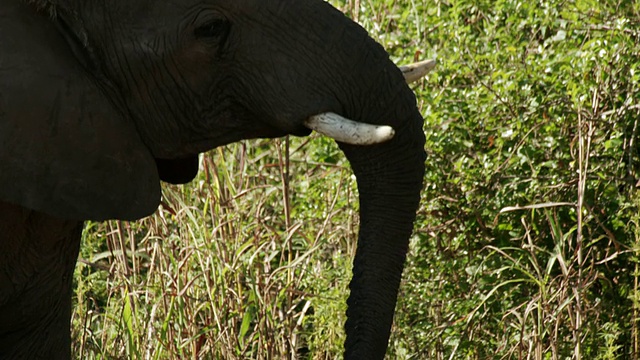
(99, 100)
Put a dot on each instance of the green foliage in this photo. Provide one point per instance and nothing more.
(523, 247)
(526, 244)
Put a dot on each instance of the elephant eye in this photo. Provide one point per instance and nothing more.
(217, 28)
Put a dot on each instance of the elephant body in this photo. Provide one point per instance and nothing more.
(99, 101)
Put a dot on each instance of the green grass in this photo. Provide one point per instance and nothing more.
(526, 245)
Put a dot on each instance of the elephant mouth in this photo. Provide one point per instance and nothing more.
(330, 124)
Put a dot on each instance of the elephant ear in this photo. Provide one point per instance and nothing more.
(65, 149)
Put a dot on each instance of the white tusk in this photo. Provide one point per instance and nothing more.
(416, 71)
(349, 131)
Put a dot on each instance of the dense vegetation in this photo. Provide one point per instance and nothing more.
(527, 240)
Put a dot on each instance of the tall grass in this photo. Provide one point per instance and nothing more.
(220, 271)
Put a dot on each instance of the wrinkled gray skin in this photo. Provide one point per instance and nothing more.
(99, 100)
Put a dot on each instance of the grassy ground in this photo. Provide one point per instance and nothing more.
(527, 239)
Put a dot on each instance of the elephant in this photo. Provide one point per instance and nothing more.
(102, 100)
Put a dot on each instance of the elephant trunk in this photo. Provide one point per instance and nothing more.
(389, 177)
